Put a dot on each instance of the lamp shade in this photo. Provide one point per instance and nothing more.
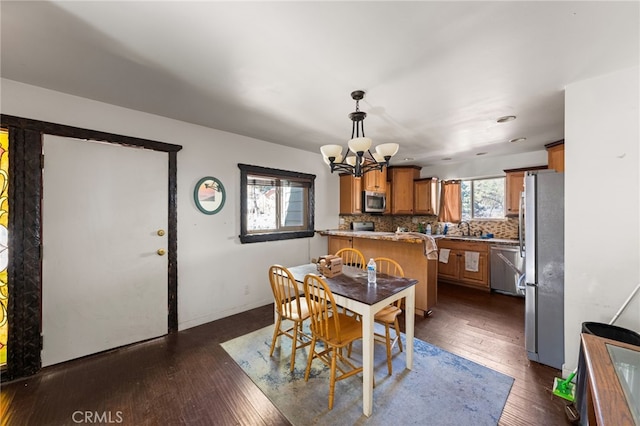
(360, 144)
(337, 159)
(378, 157)
(351, 160)
(387, 149)
(331, 151)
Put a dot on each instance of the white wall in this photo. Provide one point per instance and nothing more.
(217, 276)
(486, 167)
(602, 198)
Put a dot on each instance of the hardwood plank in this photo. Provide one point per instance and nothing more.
(187, 378)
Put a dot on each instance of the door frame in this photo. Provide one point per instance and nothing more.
(25, 230)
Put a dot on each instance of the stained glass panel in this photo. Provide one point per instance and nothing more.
(4, 243)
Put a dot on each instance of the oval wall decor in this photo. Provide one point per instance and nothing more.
(209, 195)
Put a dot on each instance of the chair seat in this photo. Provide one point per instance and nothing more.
(293, 310)
(388, 314)
(350, 330)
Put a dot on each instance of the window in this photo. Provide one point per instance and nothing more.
(483, 198)
(275, 204)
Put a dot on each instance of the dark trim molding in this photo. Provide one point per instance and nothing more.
(173, 242)
(79, 133)
(245, 238)
(25, 223)
(556, 143)
(24, 271)
(525, 169)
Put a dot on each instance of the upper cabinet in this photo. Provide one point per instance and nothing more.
(514, 185)
(350, 194)
(375, 181)
(555, 155)
(425, 196)
(401, 182)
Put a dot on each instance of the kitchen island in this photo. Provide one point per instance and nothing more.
(416, 253)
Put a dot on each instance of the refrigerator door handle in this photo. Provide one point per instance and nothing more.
(521, 224)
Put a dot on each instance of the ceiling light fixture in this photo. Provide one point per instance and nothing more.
(518, 140)
(362, 160)
(506, 118)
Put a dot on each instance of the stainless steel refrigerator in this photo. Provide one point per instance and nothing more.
(542, 242)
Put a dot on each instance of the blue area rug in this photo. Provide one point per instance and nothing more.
(442, 388)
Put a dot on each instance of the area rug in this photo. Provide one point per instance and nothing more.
(441, 389)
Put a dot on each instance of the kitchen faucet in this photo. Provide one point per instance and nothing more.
(468, 228)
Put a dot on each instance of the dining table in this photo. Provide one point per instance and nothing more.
(352, 291)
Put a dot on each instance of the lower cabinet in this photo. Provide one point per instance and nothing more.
(456, 269)
(338, 242)
(409, 255)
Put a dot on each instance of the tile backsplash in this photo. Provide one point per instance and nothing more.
(500, 228)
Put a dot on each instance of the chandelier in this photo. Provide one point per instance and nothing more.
(362, 159)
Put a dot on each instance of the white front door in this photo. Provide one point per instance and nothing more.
(104, 284)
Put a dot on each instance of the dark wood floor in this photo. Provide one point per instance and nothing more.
(187, 378)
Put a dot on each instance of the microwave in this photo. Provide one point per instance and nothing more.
(373, 202)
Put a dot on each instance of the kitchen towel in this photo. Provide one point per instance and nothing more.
(471, 259)
(444, 255)
(430, 246)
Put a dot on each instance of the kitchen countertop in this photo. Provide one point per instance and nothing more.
(411, 237)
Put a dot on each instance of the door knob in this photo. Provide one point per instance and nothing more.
(161, 252)
(160, 232)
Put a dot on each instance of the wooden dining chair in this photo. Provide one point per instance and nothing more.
(352, 257)
(290, 304)
(388, 316)
(334, 329)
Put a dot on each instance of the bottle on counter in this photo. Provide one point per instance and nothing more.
(428, 232)
(371, 271)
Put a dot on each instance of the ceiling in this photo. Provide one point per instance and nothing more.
(437, 75)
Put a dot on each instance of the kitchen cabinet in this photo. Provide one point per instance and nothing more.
(514, 185)
(409, 253)
(425, 196)
(337, 242)
(375, 180)
(350, 194)
(555, 155)
(455, 270)
(401, 181)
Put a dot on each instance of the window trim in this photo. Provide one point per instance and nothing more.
(246, 237)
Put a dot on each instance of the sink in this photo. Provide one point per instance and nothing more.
(468, 238)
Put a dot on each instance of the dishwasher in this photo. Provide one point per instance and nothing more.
(507, 270)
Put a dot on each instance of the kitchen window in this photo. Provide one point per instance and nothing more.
(275, 204)
(483, 198)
